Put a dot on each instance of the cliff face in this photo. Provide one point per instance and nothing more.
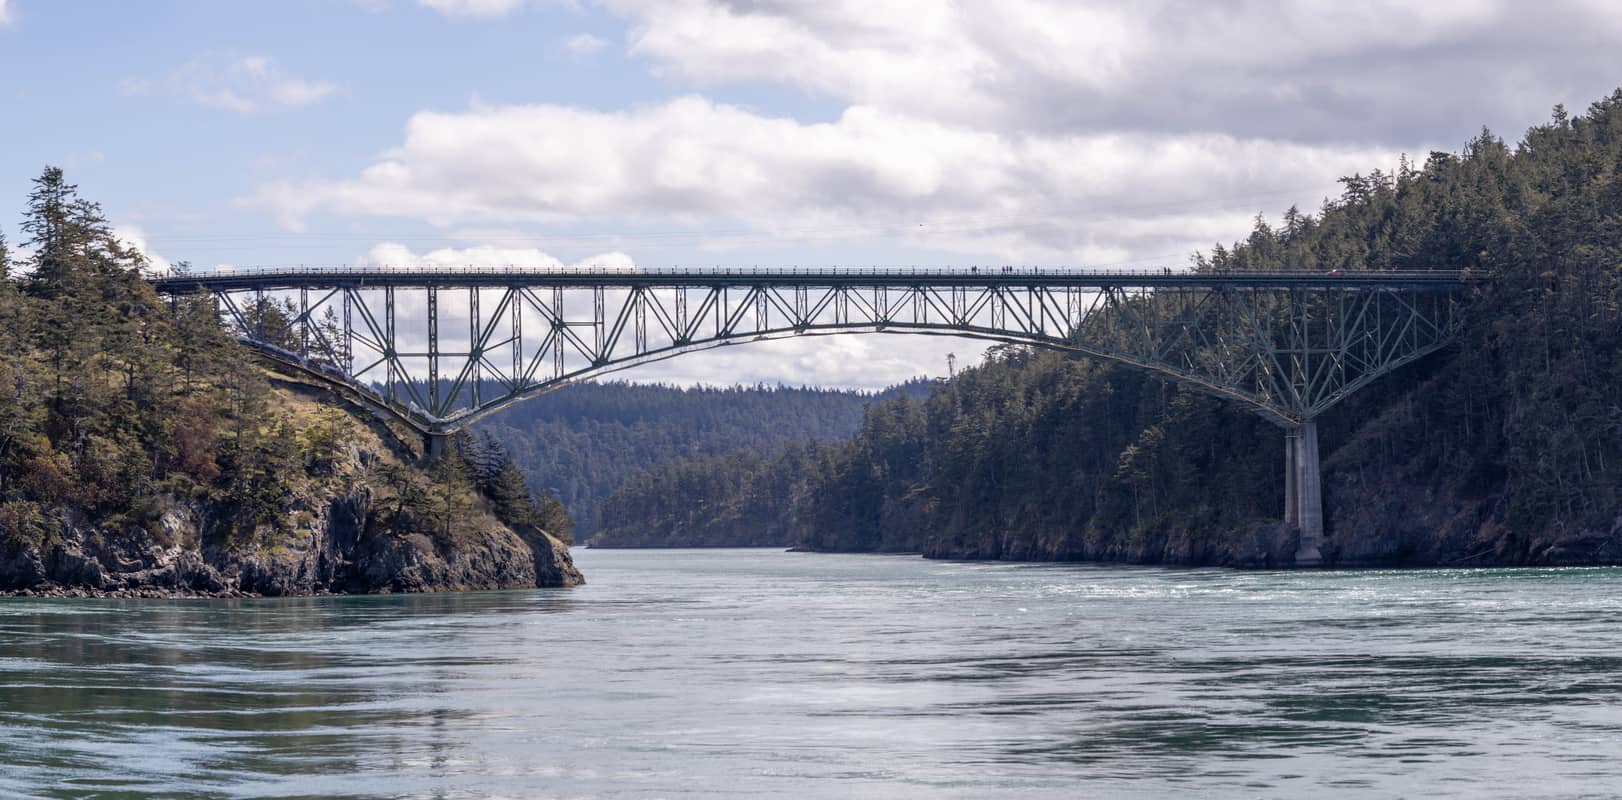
(340, 528)
(345, 550)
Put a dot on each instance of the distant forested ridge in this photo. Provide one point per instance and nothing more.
(743, 498)
(1503, 449)
(143, 451)
(585, 441)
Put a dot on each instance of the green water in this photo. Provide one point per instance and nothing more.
(741, 673)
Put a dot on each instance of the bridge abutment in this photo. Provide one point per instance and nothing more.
(434, 443)
(1303, 492)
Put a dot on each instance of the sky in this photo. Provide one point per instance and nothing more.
(756, 132)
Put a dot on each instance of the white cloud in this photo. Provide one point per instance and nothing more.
(870, 174)
(398, 256)
(585, 44)
(473, 8)
(223, 99)
(1018, 129)
(133, 236)
(1390, 70)
(5, 12)
(851, 361)
(869, 53)
(244, 84)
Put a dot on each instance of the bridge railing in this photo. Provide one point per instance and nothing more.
(902, 274)
(831, 271)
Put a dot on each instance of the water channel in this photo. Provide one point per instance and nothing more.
(743, 673)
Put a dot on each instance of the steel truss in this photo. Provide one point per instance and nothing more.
(442, 350)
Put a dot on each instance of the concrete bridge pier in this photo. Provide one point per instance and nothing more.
(1303, 491)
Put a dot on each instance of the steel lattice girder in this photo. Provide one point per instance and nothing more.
(1288, 349)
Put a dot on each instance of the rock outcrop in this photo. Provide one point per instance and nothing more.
(340, 530)
(345, 550)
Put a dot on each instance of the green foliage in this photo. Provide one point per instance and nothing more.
(733, 500)
(114, 403)
(1037, 455)
(492, 472)
(583, 442)
(461, 489)
(85, 362)
(321, 440)
(263, 457)
(452, 498)
(22, 522)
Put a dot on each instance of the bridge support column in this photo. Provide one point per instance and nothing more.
(1303, 492)
(433, 444)
(1292, 497)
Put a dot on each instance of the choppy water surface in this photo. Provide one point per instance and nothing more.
(744, 673)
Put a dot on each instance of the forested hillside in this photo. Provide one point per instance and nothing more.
(1504, 449)
(584, 441)
(739, 499)
(142, 450)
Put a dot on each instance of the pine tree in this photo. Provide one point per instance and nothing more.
(66, 232)
(509, 495)
(489, 459)
(452, 492)
(202, 347)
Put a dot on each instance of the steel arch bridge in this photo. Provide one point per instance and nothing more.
(440, 349)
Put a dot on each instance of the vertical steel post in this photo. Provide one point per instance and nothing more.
(599, 322)
(391, 348)
(349, 336)
(433, 351)
(475, 345)
(516, 298)
(681, 315)
(639, 307)
(558, 327)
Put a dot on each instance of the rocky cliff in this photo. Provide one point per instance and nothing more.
(343, 525)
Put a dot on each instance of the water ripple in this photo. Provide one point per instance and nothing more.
(742, 673)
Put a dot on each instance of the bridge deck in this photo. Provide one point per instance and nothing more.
(381, 277)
